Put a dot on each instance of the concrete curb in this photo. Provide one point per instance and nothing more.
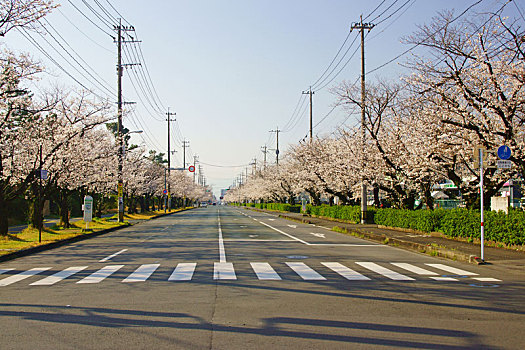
(395, 242)
(56, 244)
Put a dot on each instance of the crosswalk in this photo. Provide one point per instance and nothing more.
(185, 271)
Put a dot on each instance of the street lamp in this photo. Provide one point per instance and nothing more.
(165, 188)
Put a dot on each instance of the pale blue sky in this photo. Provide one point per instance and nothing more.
(233, 70)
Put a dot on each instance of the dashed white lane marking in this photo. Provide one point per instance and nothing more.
(101, 274)
(112, 255)
(271, 219)
(22, 276)
(222, 253)
(292, 226)
(444, 279)
(304, 271)
(486, 279)
(264, 271)
(223, 271)
(384, 271)
(415, 269)
(344, 271)
(59, 276)
(142, 273)
(183, 272)
(453, 270)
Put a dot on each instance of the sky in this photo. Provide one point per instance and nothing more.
(232, 71)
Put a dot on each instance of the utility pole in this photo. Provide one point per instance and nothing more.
(264, 150)
(169, 114)
(254, 169)
(185, 144)
(310, 92)
(362, 26)
(277, 131)
(120, 28)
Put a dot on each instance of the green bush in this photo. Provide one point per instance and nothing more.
(347, 213)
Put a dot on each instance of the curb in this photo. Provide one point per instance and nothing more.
(395, 242)
(56, 244)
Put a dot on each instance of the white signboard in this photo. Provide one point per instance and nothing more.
(88, 208)
(504, 164)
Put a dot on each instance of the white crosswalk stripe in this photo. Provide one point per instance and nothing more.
(262, 270)
(22, 276)
(5, 270)
(183, 272)
(344, 271)
(102, 274)
(384, 271)
(304, 271)
(415, 269)
(453, 270)
(59, 276)
(142, 273)
(223, 271)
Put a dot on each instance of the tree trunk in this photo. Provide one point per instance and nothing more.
(377, 203)
(4, 224)
(63, 208)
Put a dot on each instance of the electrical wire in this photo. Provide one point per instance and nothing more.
(421, 42)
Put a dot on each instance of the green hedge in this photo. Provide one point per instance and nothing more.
(499, 227)
(348, 213)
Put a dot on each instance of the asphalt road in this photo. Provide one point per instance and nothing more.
(228, 278)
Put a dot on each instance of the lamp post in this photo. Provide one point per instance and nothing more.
(121, 155)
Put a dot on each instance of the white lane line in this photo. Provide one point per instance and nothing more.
(101, 274)
(305, 271)
(486, 279)
(142, 273)
(183, 272)
(264, 271)
(344, 271)
(223, 271)
(5, 270)
(292, 226)
(284, 233)
(112, 255)
(222, 253)
(259, 240)
(22, 276)
(271, 219)
(415, 269)
(384, 271)
(347, 245)
(444, 279)
(452, 270)
(59, 276)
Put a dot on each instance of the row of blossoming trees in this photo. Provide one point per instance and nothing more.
(467, 91)
(66, 133)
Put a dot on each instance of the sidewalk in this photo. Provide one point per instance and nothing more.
(433, 245)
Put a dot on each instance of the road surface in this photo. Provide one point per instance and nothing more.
(229, 278)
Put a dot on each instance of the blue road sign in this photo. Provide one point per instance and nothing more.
(504, 152)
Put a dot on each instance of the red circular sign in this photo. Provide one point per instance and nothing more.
(191, 169)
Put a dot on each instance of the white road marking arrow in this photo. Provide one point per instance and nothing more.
(321, 235)
(292, 226)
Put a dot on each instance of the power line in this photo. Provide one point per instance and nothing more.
(89, 19)
(421, 42)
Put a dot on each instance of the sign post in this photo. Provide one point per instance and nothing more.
(88, 210)
(480, 160)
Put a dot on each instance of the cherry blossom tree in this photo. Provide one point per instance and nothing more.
(22, 13)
